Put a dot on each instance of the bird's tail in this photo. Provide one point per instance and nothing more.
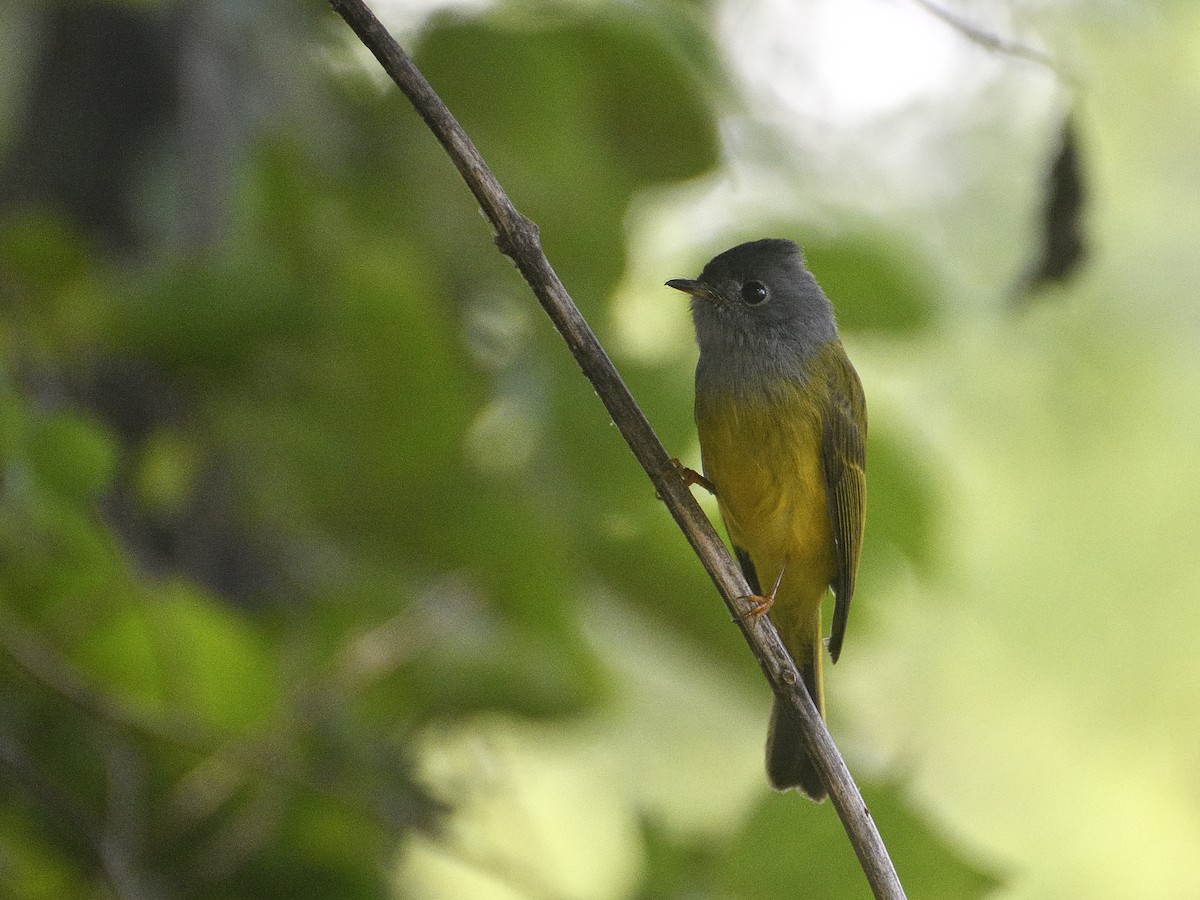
(788, 763)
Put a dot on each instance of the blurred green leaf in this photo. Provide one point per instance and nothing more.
(50, 288)
(167, 471)
(32, 868)
(42, 254)
(874, 285)
(676, 870)
(900, 498)
(183, 651)
(54, 548)
(574, 117)
(71, 456)
(313, 859)
(210, 319)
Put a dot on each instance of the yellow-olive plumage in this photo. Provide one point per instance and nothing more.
(782, 425)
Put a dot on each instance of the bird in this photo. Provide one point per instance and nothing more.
(782, 422)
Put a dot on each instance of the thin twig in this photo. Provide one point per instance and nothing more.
(517, 238)
(987, 40)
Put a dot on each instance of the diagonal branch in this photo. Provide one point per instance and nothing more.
(517, 238)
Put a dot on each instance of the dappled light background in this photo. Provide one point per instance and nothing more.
(324, 574)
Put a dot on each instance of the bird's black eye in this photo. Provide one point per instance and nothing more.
(754, 292)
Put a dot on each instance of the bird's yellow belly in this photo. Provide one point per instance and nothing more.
(765, 464)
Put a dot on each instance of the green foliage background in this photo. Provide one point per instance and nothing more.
(323, 573)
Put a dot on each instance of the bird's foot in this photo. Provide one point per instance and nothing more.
(691, 476)
(759, 606)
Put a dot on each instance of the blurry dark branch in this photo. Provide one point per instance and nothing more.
(100, 90)
(207, 91)
(115, 859)
(517, 238)
(988, 40)
(124, 832)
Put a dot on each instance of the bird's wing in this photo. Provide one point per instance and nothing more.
(843, 464)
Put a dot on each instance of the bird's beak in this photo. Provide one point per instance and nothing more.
(695, 288)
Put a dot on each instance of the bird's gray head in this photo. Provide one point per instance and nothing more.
(759, 298)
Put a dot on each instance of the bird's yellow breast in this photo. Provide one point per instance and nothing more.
(763, 456)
